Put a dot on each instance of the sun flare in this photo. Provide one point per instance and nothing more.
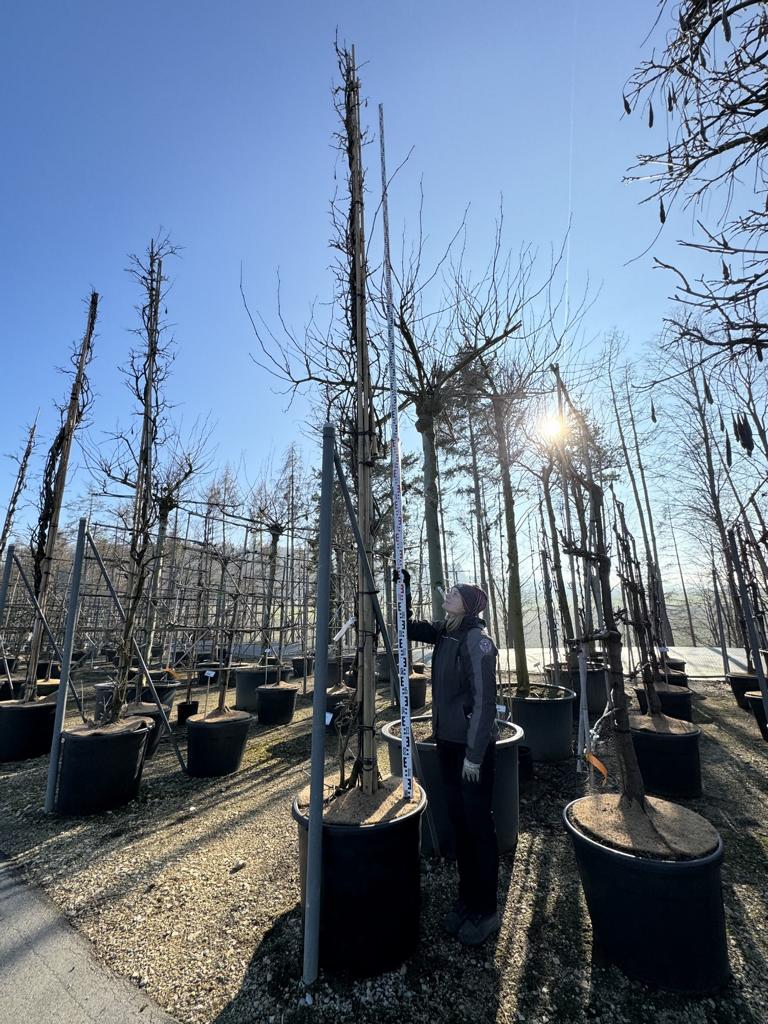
(552, 428)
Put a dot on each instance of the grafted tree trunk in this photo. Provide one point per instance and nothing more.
(52, 499)
(557, 567)
(18, 489)
(426, 410)
(514, 627)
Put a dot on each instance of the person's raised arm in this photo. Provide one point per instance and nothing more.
(422, 630)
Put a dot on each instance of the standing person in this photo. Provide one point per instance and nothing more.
(464, 727)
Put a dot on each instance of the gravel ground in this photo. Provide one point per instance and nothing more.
(193, 892)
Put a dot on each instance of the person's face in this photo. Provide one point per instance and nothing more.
(453, 603)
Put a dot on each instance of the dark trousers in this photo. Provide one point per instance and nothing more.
(471, 814)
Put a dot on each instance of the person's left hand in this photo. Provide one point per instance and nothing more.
(470, 771)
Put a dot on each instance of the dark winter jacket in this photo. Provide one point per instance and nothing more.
(463, 682)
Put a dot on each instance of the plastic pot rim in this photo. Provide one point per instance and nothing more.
(567, 694)
(89, 737)
(667, 735)
(508, 741)
(653, 864)
(335, 828)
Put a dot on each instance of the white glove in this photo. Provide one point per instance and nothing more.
(470, 771)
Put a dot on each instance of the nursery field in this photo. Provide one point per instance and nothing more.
(192, 893)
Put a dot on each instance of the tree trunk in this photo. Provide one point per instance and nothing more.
(515, 627)
(425, 424)
(64, 439)
(557, 567)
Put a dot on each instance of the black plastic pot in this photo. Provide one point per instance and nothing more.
(48, 670)
(675, 703)
(247, 683)
(673, 677)
(46, 687)
(417, 689)
(100, 771)
(596, 692)
(165, 691)
(203, 679)
(26, 730)
(10, 690)
(661, 922)
(142, 710)
(676, 664)
(506, 803)
(299, 665)
(8, 665)
(185, 709)
(547, 723)
(382, 665)
(360, 862)
(525, 764)
(669, 762)
(740, 683)
(276, 704)
(756, 706)
(286, 671)
(215, 746)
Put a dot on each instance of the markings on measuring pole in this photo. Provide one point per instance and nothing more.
(397, 496)
(347, 626)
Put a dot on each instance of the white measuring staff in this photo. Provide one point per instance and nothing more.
(397, 496)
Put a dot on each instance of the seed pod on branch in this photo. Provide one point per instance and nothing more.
(728, 453)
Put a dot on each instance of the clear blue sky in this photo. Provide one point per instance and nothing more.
(214, 122)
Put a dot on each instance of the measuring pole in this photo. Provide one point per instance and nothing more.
(397, 496)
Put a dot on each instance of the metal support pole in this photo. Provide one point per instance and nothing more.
(317, 771)
(66, 660)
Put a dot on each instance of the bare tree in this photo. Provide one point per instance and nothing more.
(18, 487)
(709, 83)
(52, 489)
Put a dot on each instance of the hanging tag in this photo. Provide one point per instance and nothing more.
(347, 625)
(210, 674)
(328, 717)
(501, 709)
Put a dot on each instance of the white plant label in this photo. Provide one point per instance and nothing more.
(210, 674)
(347, 625)
(328, 717)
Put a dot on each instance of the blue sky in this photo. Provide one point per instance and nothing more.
(214, 122)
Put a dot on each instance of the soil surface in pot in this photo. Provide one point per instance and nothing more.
(354, 807)
(662, 724)
(422, 731)
(220, 716)
(125, 725)
(540, 691)
(666, 832)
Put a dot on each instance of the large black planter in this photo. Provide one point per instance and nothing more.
(47, 687)
(101, 768)
(302, 665)
(547, 723)
(740, 683)
(185, 709)
(506, 800)
(8, 665)
(165, 691)
(247, 683)
(417, 691)
(596, 692)
(673, 677)
(675, 664)
(10, 690)
(149, 711)
(756, 706)
(669, 762)
(676, 703)
(26, 730)
(48, 670)
(336, 668)
(276, 704)
(360, 863)
(215, 746)
(659, 921)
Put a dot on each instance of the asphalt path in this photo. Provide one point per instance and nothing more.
(48, 973)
